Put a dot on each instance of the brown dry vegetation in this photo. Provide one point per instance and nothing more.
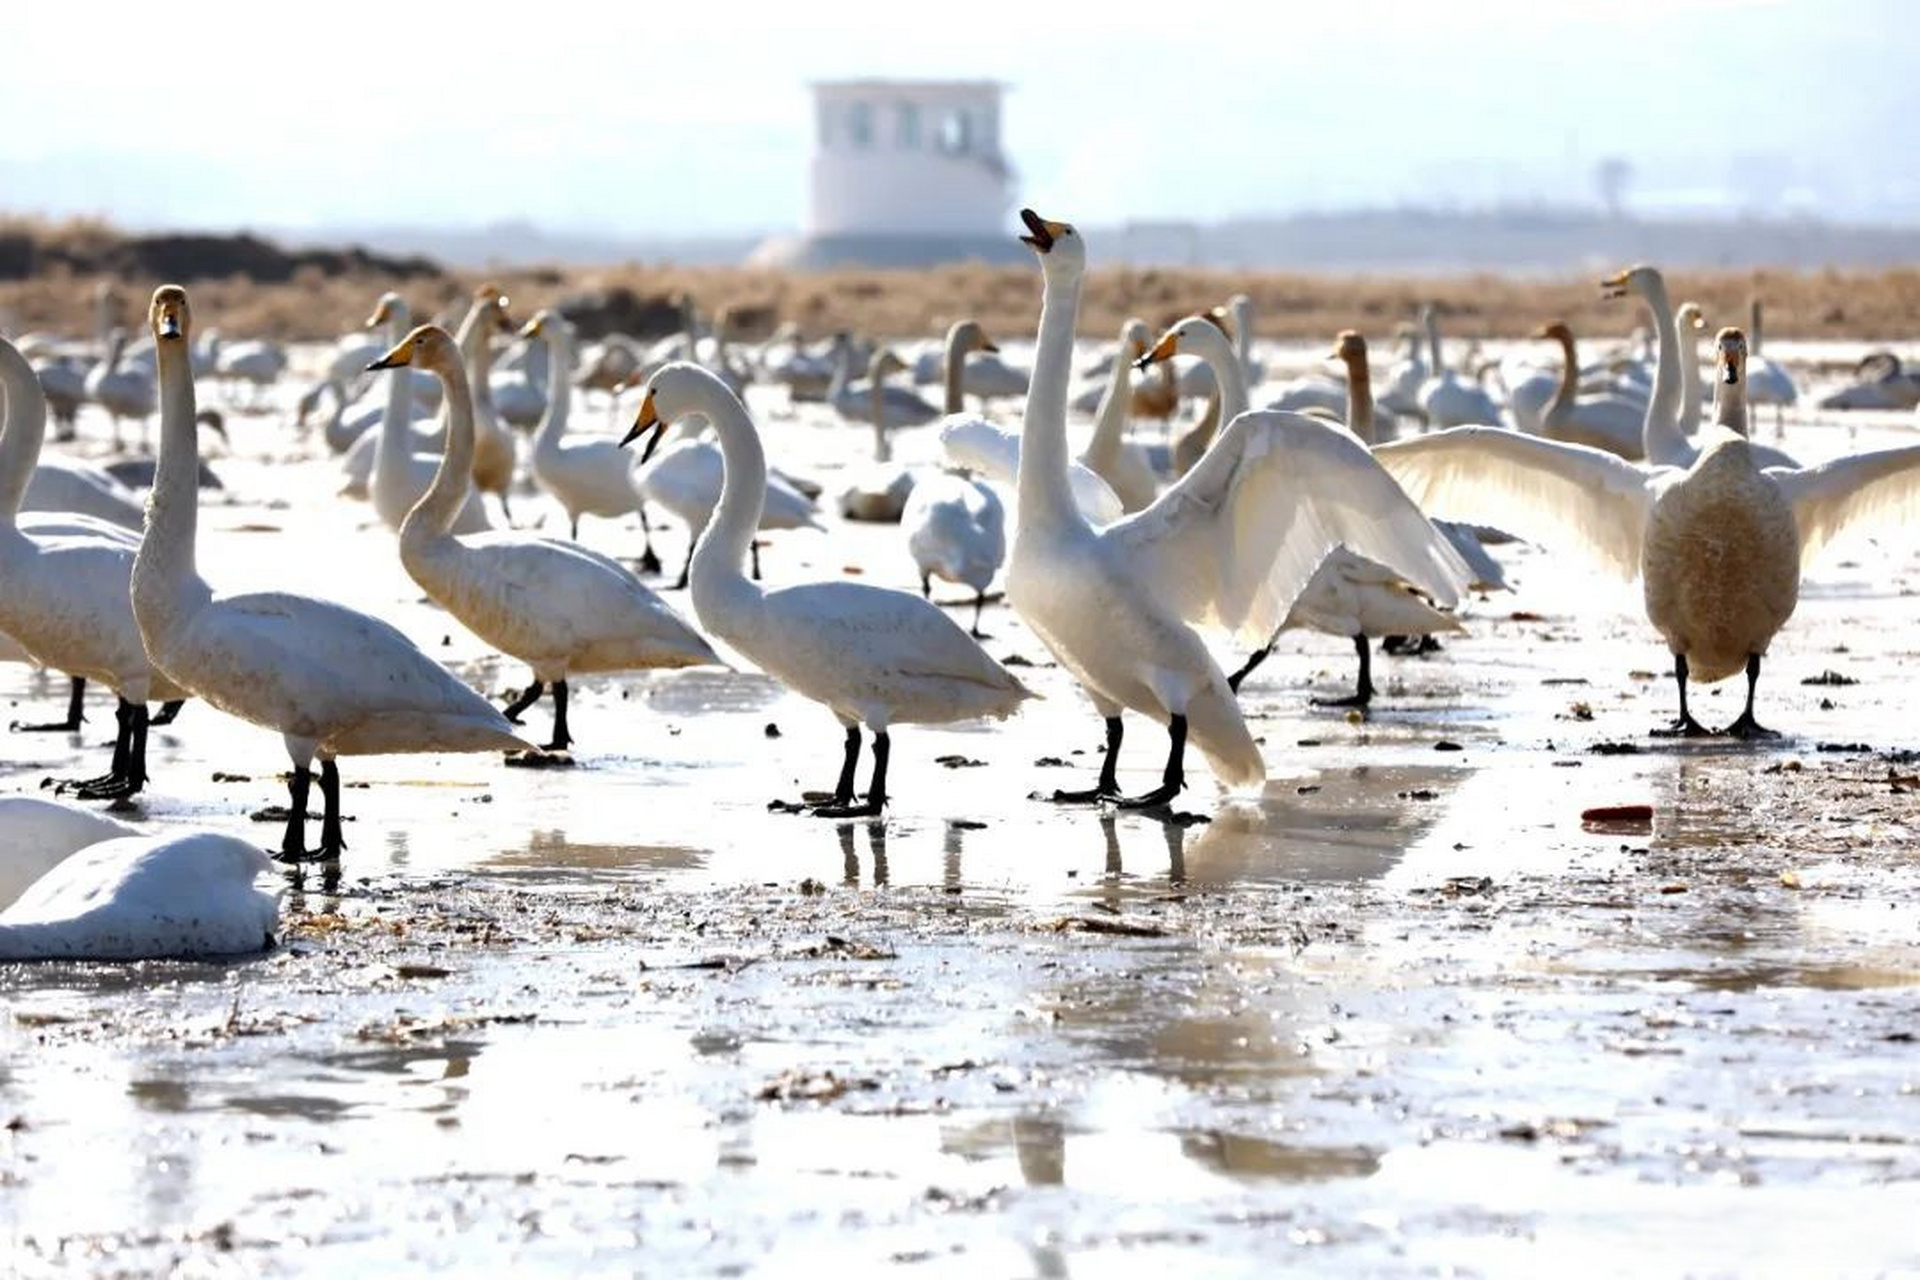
(325, 294)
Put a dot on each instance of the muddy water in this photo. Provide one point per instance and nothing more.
(1401, 1013)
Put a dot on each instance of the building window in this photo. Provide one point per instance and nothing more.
(860, 125)
(907, 131)
(956, 133)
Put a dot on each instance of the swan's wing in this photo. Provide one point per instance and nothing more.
(1237, 538)
(1829, 499)
(1579, 500)
(972, 442)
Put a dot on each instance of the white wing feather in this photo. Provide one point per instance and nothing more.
(1881, 486)
(1236, 540)
(1568, 496)
(972, 442)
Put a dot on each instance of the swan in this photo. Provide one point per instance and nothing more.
(256, 362)
(145, 898)
(971, 443)
(1109, 454)
(122, 392)
(1719, 543)
(41, 834)
(877, 492)
(1767, 382)
(520, 388)
(1446, 399)
(1662, 440)
(986, 376)
(1881, 384)
(400, 474)
(63, 590)
(494, 454)
(1401, 397)
(860, 401)
(559, 608)
(1688, 319)
(1612, 423)
(873, 656)
(64, 382)
(1201, 335)
(587, 477)
(333, 681)
(1229, 544)
(807, 375)
(61, 484)
(956, 531)
(685, 477)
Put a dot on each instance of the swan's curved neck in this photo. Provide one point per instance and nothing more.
(954, 369)
(1110, 421)
(1360, 399)
(26, 426)
(1044, 492)
(166, 584)
(1569, 388)
(476, 350)
(399, 411)
(434, 515)
(717, 584)
(1730, 402)
(1660, 430)
(553, 422)
(1211, 346)
(1689, 378)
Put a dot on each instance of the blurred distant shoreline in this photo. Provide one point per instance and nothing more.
(259, 286)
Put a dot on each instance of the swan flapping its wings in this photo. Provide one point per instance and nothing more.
(1236, 540)
(1878, 487)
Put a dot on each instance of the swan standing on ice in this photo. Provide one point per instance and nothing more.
(331, 680)
(877, 492)
(870, 655)
(124, 392)
(1609, 422)
(400, 474)
(1767, 382)
(1230, 544)
(956, 531)
(63, 589)
(145, 898)
(556, 606)
(494, 455)
(1446, 399)
(1109, 454)
(1720, 543)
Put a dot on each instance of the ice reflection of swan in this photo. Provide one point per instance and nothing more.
(1355, 824)
(850, 858)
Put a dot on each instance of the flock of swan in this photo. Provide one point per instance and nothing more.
(1157, 572)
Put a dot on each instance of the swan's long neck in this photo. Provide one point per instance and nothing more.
(392, 444)
(1433, 340)
(877, 407)
(717, 584)
(166, 585)
(1753, 329)
(1660, 430)
(1211, 346)
(1360, 399)
(553, 423)
(1689, 379)
(1243, 337)
(1569, 388)
(1042, 479)
(954, 369)
(1110, 422)
(476, 348)
(842, 372)
(26, 426)
(439, 507)
(1730, 401)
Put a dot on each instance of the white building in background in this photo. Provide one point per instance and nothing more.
(904, 173)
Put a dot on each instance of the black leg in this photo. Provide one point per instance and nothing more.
(649, 562)
(753, 556)
(169, 712)
(926, 587)
(561, 738)
(1247, 668)
(686, 570)
(331, 841)
(1173, 779)
(293, 845)
(849, 762)
(528, 696)
(876, 794)
(979, 603)
(1363, 687)
(128, 771)
(1686, 726)
(573, 527)
(1108, 788)
(506, 509)
(1746, 728)
(76, 697)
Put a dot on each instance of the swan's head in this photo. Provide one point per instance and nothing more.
(1731, 345)
(493, 302)
(1634, 280)
(1057, 243)
(216, 422)
(171, 318)
(1350, 348)
(1555, 332)
(1180, 337)
(390, 306)
(676, 390)
(429, 347)
(1689, 316)
(967, 335)
(884, 362)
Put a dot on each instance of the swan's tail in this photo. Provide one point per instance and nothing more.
(1216, 727)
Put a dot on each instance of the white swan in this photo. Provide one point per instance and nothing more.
(64, 484)
(400, 474)
(986, 375)
(1881, 383)
(686, 476)
(559, 608)
(1689, 319)
(332, 681)
(876, 492)
(956, 531)
(1230, 544)
(63, 381)
(1401, 396)
(870, 655)
(972, 443)
(1767, 382)
(495, 457)
(1109, 454)
(1202, 336)
(1446, 399)
(1720, 544)
(145, 898)
(63, 590)
(38, 835)
(256, 362)
(1609, 422)
(859, 401)
(122, 392)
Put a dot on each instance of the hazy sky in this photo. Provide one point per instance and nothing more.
(655, 118)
